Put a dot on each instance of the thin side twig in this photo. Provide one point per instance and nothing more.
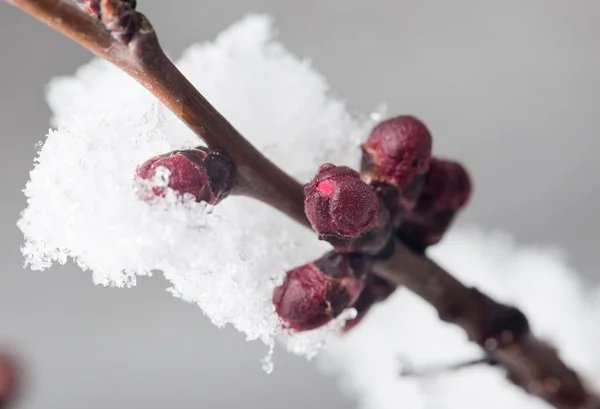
(502, 331)
(408, 371)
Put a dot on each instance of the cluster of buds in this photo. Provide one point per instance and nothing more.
(400, 192)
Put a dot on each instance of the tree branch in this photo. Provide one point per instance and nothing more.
(502, 331)
(143, 59)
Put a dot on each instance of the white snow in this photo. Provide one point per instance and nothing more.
(226, 259)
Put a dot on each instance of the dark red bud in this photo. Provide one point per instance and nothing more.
(8, 380)
(120, 18)
(340, 206)
(206, 175)
(447, 187)
(447, 190)
(396, 152)
(376, 290)
(315, 293)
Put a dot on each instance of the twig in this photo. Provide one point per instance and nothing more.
(500, 330)
(143, 59)
(409, 371)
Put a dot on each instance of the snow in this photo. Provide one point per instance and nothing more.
(227, 259)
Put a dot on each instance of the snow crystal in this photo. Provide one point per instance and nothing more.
(227, 259)
(405, 333)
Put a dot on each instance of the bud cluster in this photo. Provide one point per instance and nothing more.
(401, 191)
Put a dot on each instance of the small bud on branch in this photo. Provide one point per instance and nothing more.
(9, 383)
(396, 152)
(206, 175)
(395, 159)
(446, 190)
(315, 293)
(345, 211)
(121, 19)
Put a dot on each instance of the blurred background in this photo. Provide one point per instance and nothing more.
(511, 88)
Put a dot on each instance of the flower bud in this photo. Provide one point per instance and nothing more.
(8, 380)
(345, 211)
(446, 190)
(315, 293)
(397, 151)
(206, 175)
(121, 19)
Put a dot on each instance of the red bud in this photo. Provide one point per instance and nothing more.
(338, 203)
(397, 151)
(315, 293)
(205, 175)
(446, 191)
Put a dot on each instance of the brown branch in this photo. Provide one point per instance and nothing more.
(500, 330)
(144, 60)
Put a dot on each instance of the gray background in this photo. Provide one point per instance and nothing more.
(510, 87)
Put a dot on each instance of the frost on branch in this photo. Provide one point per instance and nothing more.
(403, 333)
(227, 259)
